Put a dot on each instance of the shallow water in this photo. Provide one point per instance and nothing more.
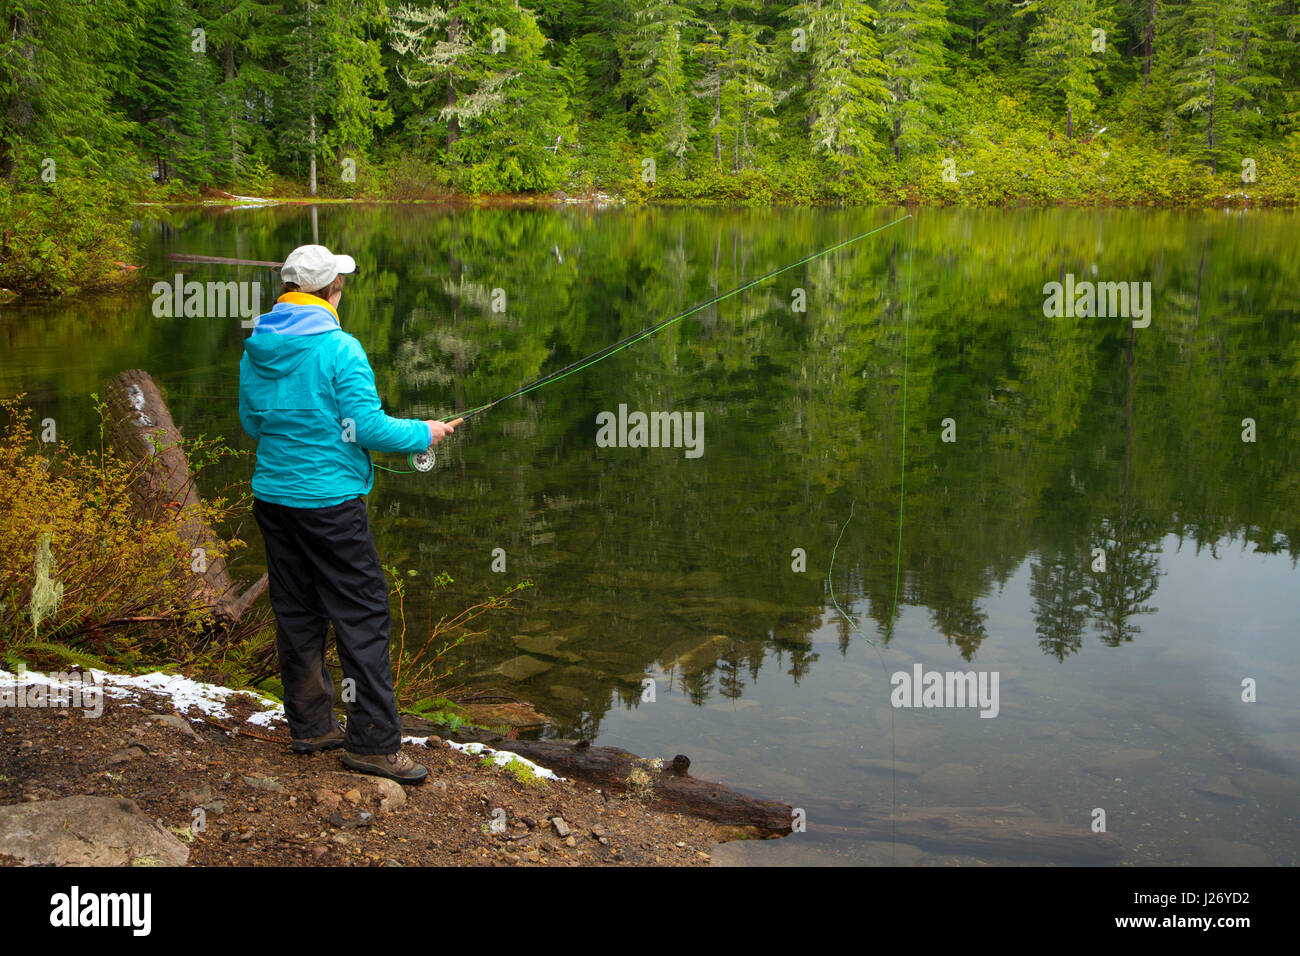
(1118, 689)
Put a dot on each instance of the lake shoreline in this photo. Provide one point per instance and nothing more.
(127, 276)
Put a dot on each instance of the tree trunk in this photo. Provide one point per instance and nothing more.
(1149, 42)
(232, 99)
(744, 138)
(312, 169)
(453, 124)
(142, 430)
(717, 122)
(17, 109)
(1209, 135)
(311, 93)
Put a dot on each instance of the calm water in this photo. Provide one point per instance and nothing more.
(1119, 690)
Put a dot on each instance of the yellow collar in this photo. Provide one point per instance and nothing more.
(304, 298)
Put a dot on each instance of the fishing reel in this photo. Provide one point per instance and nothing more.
(422, 460)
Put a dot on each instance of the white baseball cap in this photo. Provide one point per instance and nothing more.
(312, 268)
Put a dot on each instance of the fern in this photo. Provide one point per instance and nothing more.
(61, 652)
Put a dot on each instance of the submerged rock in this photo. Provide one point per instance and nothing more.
(1266, 783)
(1170, 725)
(949, 778)
(570, 694)
(703, 654)
(545, 644)
(1221, 787)
(884, 765)
(522, 667)
(1116, 763)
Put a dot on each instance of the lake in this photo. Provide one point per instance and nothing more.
(1103, 517)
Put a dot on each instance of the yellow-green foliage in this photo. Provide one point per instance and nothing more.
(524, 774)
(77, 563)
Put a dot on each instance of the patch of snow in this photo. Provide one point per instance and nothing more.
(137, 402)
(254, 200)
(183, 692)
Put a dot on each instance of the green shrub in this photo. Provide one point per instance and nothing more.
(72, 235)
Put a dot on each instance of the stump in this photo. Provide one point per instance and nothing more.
(142, 430)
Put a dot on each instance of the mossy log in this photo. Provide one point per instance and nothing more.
(663, 785)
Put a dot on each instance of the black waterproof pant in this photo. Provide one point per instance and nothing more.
(323, 567)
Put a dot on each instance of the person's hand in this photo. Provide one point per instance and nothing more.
(440, 429)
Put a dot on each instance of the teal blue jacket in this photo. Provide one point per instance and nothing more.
(307, 395)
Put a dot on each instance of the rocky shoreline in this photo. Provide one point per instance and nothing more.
(172, 772)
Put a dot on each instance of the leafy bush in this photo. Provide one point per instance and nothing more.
(407, 177)
(68, 236)
(83, 577)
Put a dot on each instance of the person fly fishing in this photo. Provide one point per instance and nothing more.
(307, 396)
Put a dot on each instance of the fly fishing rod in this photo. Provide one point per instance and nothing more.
(425, 460)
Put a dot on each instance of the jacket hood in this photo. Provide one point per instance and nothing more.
(285, 336)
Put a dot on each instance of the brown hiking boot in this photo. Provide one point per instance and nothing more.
(396, 766)
(311, 745)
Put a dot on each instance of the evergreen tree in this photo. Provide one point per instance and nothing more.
(58, 67)
(847, 83)
(172, 93)
(747, 100)
(1221, 73)
(912, 35)
(652, 73)
(711, 52)
(334, 81)
(481, 68)
(243, 40)
(1065, 52)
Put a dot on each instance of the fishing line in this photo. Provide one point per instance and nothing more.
(898, 556)
(424, 461)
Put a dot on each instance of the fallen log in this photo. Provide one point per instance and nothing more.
(142, 430)
(664, 785)
(220, 260)
(1008, 832)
